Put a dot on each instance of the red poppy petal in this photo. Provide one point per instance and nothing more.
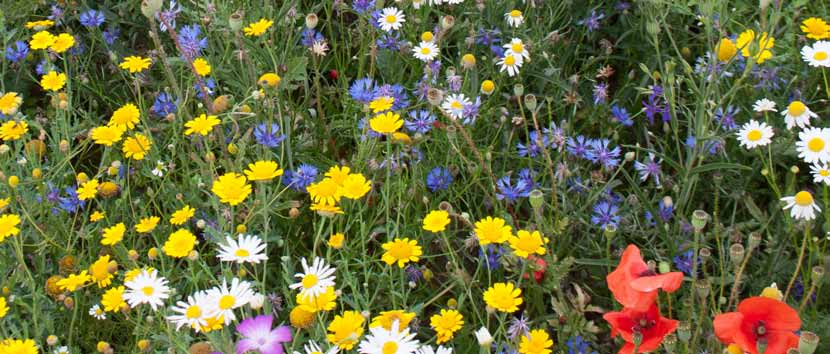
(628, 348)
(727, 325)
(669, 282)
(779, 341)
(777, 315)
(621, 323)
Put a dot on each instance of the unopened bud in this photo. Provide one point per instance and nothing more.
(736, 253)
(818, 275)
(699, 220)
(629, 156)
(536, 199)
(235, 20)
(808, 342)
(311, 20)
(518, 90)
(610, 230)
(684, 331)
(754, 240)
(530, 102)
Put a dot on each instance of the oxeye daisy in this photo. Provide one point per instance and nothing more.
(315, 278)
(802, 205)
(503, 297)
(97, 312)
(247, 249)
(754, 134)
(256, 29)
(135, 64)
(814, 145)
(517, 47)
(511, 63)
(425, 51)
(401, 251)
(764, 105)
(391, 19)
(454, 105)
(817, 55)
(821, 173)
(192, 312)
(146, 288)
(223, 300)
(514, 18)
(798, 114)
(389, 341)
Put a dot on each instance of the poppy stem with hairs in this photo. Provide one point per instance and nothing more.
(800, 259)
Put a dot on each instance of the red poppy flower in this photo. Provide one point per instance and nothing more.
(635, 285)
(649, 324)
(761, 320)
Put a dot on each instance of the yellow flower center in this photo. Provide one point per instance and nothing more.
(390, 348)
(391, 19)
(148, 290)
(242, 253)
(509, 60)
(517, 47)
(401, 251)
(193, 312)
(425, 50)
(804, 198)
(515, 13)
(824, 173)
(456, 105)
(309, 280)
(796, 108)
(226, 302)
(754, 135)
(820, 56)
(815, 144)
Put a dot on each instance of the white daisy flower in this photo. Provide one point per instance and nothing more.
(803, 206)
(454, 105)
(764, 105)
(391, 19)
(192, 312)
(514, 18)
(159, 170)
(453, 2)
(754, 134)
(817, 55)
(312, 348)
(97, 312)
(391, 341)
(221, 301)
(798, 114)
(813, 145)
(61, 350)
(248, 249)
(146, 288)
(314, 280)
(483, 337)
(425, 51)
(510, 63)
(821, 173)
(427, 349)
(518, 48)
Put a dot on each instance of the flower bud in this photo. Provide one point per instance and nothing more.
(143, 345)
(754, 240)
(637, 338)
(468, 61)
(447, 22)
(14, 181)
(536, 199)
(311, 20)
(699, 220)
(669, 341)
(610, 230)
(435, 96)
(518, 90)
(684, 331)
(736, 253)
(257, 301)
(702, 287)
(818, 275)
(530, 102)
(484, 338)
(808, 342)
(293, 213)
(235, 20)
(149, 8)
(52, 340)
(487, 87)
(629, 156)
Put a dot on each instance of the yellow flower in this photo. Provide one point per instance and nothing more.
(386, 123)
(487, 87)
(446, 324)
(401, 251)
(113, 299)
(263, 171)
(345, 330)
(726, 49)
(338, 174)
(503, 297)
(125, 117)
(62, 43)
(147, 224)
(39, 25)
(136, 147)
(41, 40)
(18, 346)
(815, 28)
(526, 243)
(9, 103)
(201, 125)
(492, 230)
(326, 301)
(231, 188)
(387, 318)
(182, 215)
(74, 281)
(97, 215)
(436, 221)
(327, 210)
(202, 66)
(355, 186)
(179, 244)
(88, 190)
(324, 192)
(760, 50)
(269, 79)
(381, 104)
(336, 240)
(100, 271)
(106, 135)
(536, 342)
(4, 308)
(13, 130)
(256, 29)
(135, 64)
(772, 292)
(4, 202)
(8, 226)
(53, 81)
(113, 234)
(300, 318)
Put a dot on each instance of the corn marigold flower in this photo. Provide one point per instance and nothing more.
(526, 243)
(815, 28)
(182, 215)
(269, 80)
(345, 330)
(382, 103)
(759, 319)
(256, 29)
(41, 40)
(136, 147)
(88, 190)
(436, 221)
(231, 188)
(648, 324)
(763, 48)
(39, 25)
(401, 251)
(100, 271)
(74, 281)
(4, 307)
(300, 318)
(387, 318)
(13, 130)
(445, 324)
(62, 43)
(355, 186)
(386, 123)
(18, 346)
(726, 49)
(263, 171)
(113, 234)
(201, 125)
(96, 216)
(325, 301)
(202, 66)
(125, 116)
(53, 81)
(107, 135)
(503, 297)
(336, 240)
(492, 230)
(9, 103)
(9, 226)
(536, 341)
(179, 243)
(135, 64)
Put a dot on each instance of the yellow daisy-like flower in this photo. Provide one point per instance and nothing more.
(201, 125)
(382, 103)
(39, 25)
(526, 243)
(263, 171)
(13, 130)
(180, 243)
(97, 215)
(536, 341)
(327, 210)
(387, 318)
(503, 297)
(18, 346)
(113, 234)
(760, 49)
(53, 81)
(401, 251)
(336, 240)
(41, 40)
(345, 330)
(269, 80)
(8, 226)
(135, 64)
(256, 29)
(106, 134)
(100, 271)
(324, 192)
(182, 215)
(202, 66)
(231, 188)
(492, 230)
(4, 308)
(300, 318)
(386, 123)
(326, 301)
(113, 299)
(436, 221)
(726, 49)
(9, 103)
(355, 186)
(815, 28)
(62, 43)
(136, 147)
(74, 281)
(446, 324)
(338, 173)
(147, 224)
(125, 116)
(88, 190)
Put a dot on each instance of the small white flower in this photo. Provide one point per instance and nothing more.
(159, 170)
(391, 341)
(425, 51)
(427, 349)
(798, 114)
(453, 2)
(319, 48)
(314, 280)
(147, 288)
(391, 19)
(803, 206)
(818, 55)
(813, 145)
(312, 348)
(454, 105)
(483, 336)
(97, 312)
(764, 105)
(754, 134)
(62, 350)
(518, 48)
(510, 63)
(514, 18)
(821, 173)
(248, 249)
(257, 300)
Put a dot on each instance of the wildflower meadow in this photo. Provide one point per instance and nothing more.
(414, 176)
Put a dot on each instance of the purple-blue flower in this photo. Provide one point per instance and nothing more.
(420, 121)
(649, 168)
(600, 153)
(17, 51)
(164, 105)
(604, 214)
(361, 6)
(578, 146)
(268, 135)
(300, 178)
(309, 36)
(507, 190)
(362, 90)
(191, 43)
(577, 345)
(111, 34)
(258, 336)
(726, 117)
(395, 91)
(168, 16)
(92, 18)
(439, 179)
(600, 93)
(592, 22)
(534, 145)
(621, 115)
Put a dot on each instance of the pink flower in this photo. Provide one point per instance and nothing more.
(259, 336)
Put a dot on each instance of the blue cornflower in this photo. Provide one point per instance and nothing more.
(79, 47)
(390, 41)
(577, 345)
(604, 214)
(111, 34)
(491, 256)
(767, 78)
(432, 68)
(555, 135)
(649, 168)
(621, 115)
(488, 37)
(168, 16)
(600, 93)
(684, 262)
(413, 273)
(70, 203)
(470, 112)
(592, 22)
(17, 51)
(506, 189)
(309, 36)
(210, 86)
(454, 82)
(622, 6)
(726, 117)
(439, 179)
(395, 91)
(518, 327)
(42, 67)
(497, 51)
(533, 148)
(164, 105)
(56, 14)
(300, 178)
(362, 90)
(191, 44)
(420, 121)
(665, 209)
(422, 88)
(361, 6)
(578, 146)
(268, 137)
(600, 153)
(527, 175)
(92, 18)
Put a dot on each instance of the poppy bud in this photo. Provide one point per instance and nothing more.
(69, 303)
(530, 102)
(808, 342)
(435, 96)
(132, 255)
(447, 22)
(684, 331)
(754, 240)
(818, 274)
(629, 156)
(518, 89)
(293, 213)
(149, 8)
(702, 286)
(445, 206)
(736, 253)
(536, 199)
(610, 230)
(699, 219)
(235, 20)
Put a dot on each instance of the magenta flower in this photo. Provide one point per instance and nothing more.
(259, 336)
